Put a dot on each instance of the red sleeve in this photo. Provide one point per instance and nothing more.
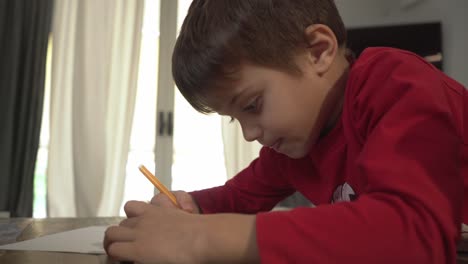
(411, 209)
(259, 187)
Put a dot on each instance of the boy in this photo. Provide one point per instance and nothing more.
(379, 144)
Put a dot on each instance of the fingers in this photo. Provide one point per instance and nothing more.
(184, 199)
(122, 251)
(129, 222)
(115, 234)
(162, 200)
(135, 208)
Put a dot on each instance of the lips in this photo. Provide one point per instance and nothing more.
(277, 145)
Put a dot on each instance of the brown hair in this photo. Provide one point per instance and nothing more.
(218, 35)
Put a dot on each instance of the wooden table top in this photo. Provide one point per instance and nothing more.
(32, 228)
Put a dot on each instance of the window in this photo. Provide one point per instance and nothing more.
(198, 158)
(40, 179)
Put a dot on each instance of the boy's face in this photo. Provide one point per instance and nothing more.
(278, 109)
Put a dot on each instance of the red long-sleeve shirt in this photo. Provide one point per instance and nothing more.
(398, 157)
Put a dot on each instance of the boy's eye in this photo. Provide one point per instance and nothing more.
(253, 106)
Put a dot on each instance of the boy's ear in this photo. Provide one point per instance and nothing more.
(322, 46)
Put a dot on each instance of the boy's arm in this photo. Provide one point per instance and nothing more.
(411, 212)
(259, 187)
(229, 238)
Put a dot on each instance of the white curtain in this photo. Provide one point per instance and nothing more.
(96, 47)
(238, 153)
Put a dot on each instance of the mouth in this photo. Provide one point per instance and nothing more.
(276, 146)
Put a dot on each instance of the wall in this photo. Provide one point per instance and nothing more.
(451, 13)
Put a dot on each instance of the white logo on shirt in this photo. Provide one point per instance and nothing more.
(344, 193)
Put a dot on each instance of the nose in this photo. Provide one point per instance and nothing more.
(251, 132)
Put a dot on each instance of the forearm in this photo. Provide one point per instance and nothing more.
(379, 228)
(228, 238)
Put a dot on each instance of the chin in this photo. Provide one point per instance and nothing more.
(297, 156)
(296, 153)
(298, 150)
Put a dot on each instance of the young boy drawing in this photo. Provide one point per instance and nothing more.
(379, 144)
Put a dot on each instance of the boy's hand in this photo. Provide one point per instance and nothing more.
(184, 199)
(153, 234)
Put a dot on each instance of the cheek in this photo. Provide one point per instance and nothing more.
(284, 121)
(311, 106)
(299, 123)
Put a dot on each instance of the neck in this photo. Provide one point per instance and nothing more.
(336, 98)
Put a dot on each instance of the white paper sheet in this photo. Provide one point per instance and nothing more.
(83, 240)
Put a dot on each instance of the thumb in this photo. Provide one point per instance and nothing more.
(186, 202)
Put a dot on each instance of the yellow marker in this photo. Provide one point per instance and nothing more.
(158, 185)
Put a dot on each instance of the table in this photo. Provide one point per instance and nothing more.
(463, 246)
(32, 228)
